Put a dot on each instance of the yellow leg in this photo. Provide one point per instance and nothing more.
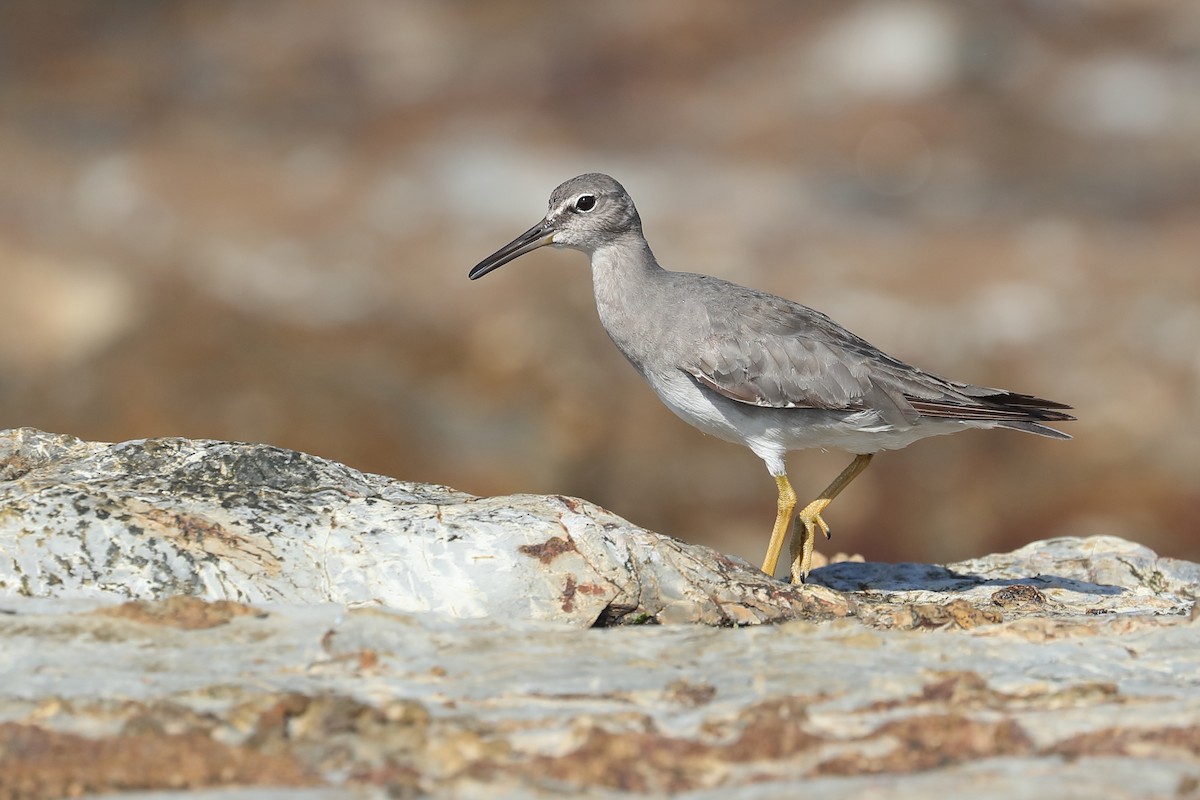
(809, 518)
(783, 518)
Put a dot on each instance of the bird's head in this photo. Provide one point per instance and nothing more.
(585, 213)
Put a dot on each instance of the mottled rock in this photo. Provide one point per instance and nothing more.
(369, 699)
(1066, 668)
(253, 523)
(1059, 578)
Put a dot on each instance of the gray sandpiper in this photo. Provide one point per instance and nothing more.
(756, 369)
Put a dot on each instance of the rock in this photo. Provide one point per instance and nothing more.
(1066, 668)
(252, 523)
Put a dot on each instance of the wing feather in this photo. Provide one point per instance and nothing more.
(766, 351)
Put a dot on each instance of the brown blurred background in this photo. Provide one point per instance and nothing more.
(254, 221)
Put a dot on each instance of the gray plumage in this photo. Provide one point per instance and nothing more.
(748, 366)
(774, 353)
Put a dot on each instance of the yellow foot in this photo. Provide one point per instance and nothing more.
(808, 521)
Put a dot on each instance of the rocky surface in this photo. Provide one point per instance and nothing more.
(143, 650)
(254, 523)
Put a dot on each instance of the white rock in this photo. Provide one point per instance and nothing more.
(252, 523)
(1066, 668)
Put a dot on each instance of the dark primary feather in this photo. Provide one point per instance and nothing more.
(779, 354)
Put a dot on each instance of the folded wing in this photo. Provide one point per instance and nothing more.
(766, 351)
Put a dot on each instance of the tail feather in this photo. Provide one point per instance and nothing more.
(1023, 401)
(1035, 428)
(1021, 412)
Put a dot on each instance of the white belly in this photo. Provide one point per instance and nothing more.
(772, 432)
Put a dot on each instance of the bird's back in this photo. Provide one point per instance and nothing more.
(762, 350)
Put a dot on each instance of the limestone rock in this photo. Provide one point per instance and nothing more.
(184, 618)
(253, 523)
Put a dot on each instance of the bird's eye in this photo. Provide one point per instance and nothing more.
(586, 202)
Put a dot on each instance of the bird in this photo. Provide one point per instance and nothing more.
(756, 369)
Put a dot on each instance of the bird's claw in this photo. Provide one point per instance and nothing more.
(808, 521)
(825, 529)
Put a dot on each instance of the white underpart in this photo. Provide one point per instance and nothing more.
(772, 435)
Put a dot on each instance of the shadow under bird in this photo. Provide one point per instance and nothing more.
(756, 369)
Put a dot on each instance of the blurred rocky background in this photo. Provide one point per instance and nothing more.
(253, 221)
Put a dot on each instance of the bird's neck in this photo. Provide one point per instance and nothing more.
(621, 270)
(624, 273)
